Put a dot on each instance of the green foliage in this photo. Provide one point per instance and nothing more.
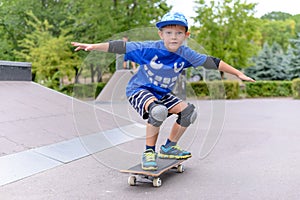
(296, 18)
(83, 91)
(215, 89)
(6, 52)
(41, 31)
(294, 68)
(280, 27)
(226, 29)
(198, 89)
(99, 88)
(106, 18)
(277, 16)
(268, 89)
(296, 88)
(50, 56)
(206, 90)
(269, 64)
(14, 16)
(277, 31)
(232, 89)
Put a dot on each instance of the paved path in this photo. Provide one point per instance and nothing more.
(256, 157)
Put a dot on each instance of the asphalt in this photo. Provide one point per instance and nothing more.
(242, 149)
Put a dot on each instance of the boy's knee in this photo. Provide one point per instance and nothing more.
(187, 116)
(157, 113)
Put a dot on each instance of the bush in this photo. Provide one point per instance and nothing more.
(209, 90)
(215, 89)
(232, 89)
(67, 89)
(268, 89)
(296, 88)
(197, 89)
(83, 91)
(99, 88)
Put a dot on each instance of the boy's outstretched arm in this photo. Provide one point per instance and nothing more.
(117, 46)
(90, 47)
(224, 67)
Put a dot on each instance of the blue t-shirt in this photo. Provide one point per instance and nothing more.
(159, 68)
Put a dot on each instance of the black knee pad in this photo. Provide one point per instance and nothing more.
(157, 113)
(187, 116)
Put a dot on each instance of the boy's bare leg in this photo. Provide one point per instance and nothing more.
(151, 131)
(170, 150)
(149, 156)
(177, 130)
(151, 135)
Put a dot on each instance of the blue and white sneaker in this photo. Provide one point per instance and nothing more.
(149, 160)
(173, 152)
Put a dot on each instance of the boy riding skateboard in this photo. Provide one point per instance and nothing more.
(149, 90)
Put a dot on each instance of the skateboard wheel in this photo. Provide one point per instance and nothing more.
(180, 168)
(157, 182)
(132, 180)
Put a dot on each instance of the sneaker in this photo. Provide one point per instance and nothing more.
(149, 160)
(173, 152)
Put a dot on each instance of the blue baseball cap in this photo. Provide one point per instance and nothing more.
(173, 18)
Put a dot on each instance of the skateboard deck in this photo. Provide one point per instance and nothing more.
(163, 166)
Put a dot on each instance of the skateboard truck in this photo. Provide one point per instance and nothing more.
(140, 175)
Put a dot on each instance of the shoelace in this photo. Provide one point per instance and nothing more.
(150, 156)
(177, 147)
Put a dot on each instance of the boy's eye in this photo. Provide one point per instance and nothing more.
(176, 33)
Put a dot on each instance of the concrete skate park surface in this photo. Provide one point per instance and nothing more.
(56, 147)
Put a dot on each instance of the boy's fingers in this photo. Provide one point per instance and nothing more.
(78, 48)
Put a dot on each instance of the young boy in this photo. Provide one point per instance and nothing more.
(149, 90)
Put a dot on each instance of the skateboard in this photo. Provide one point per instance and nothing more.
(138, 174)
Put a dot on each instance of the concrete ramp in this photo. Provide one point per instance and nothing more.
(34, 116)
(41, 129)
(114, 90)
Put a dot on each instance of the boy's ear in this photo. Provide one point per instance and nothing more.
(187, 34)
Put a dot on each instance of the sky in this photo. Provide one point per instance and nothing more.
(263, 7)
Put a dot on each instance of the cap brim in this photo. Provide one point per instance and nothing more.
(171, 22)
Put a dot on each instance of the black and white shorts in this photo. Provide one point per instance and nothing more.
(139, 99)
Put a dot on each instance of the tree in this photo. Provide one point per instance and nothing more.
(228, 30)
(277, 31)
(296, 18)
(295, 60)
(105, 20)
(51, 58)
(277, 16)
(289, 56)
(68, 20)
(13, 25)
(269, 64)
(6, 52)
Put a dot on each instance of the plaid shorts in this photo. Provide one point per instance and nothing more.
(139, 99)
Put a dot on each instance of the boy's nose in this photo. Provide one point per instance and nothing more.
(174, 35)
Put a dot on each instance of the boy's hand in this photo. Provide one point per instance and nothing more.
(86, 47)
(243, 77)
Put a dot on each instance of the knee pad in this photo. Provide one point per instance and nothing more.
(187, 116)
(157, 113)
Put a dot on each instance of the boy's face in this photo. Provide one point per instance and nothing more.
(173, 36)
